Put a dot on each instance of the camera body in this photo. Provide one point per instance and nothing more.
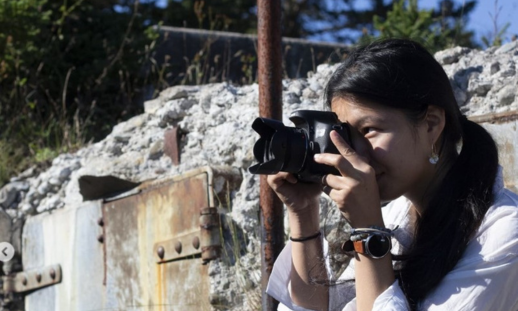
(291, 149)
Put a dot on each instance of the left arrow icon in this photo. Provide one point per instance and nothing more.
(7, 252)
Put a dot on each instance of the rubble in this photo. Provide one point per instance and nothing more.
(215, 120)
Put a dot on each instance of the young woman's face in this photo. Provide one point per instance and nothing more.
(397, 150)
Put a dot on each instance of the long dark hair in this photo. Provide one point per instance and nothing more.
(402, 74)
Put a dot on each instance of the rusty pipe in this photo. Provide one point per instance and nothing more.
(270, 106)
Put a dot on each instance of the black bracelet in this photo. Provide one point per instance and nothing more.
(311, 237)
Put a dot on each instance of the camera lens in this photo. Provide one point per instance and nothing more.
(291, 149)
(296, 150)
(280, 148)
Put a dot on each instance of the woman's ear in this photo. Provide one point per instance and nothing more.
(435, 121)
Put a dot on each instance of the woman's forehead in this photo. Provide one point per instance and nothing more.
(348, 108)
(364, 113)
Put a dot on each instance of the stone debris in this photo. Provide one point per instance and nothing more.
(215, 120)
(483, 81)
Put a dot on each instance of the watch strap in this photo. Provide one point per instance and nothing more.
(362, 246)
(359, 246)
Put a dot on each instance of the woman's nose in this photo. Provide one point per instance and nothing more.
(361, 145)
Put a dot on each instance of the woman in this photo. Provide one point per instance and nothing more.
(456, 247)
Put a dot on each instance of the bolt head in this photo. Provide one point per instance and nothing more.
(52, 274)
(100, 221)
(24, 281)
(196, 242)
(38, 277)
(160, 252)
(178, 247)
(100, 238)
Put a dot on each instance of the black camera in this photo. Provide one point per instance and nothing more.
(291, 149)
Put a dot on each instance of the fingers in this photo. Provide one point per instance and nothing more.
(342, 146)
(325, 187)
(280, 178)
(333, 186)
(336, 160)
(347, 161)
(345, 150)
(291, 179)
(338, 188)
(336, 182)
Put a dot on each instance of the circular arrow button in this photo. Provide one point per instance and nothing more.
(6, 251)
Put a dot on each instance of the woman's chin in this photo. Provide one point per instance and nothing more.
(387, 195)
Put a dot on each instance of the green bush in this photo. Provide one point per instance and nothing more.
(69, 71)
(406, 20)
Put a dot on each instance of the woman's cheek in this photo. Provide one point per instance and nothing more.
(379, 147)
(363, 146)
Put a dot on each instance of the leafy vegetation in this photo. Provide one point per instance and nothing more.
(433, 30)
(495, 38)
(71, 69)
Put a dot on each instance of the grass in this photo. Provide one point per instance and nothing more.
(234, 249)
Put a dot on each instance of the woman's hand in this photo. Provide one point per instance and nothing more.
(356, 191)
(297, 196)
(302, 202)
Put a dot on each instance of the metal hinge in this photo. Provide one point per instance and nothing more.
(206, 241)
(25, 281)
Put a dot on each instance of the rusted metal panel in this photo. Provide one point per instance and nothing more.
(172, 144)
(180, 247)
(498, 118)
(210, 241)
(269, 58)
(270, 106)
(502, 126)
(32, 280)
(506, 137)
(66, 237)
(153, 243)
(122, 256)
(206, 242)
(122, 272)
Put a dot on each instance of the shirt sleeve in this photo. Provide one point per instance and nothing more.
(340, 295)
(279, 282)
(488, 288)
(485, 278)
(392, 299)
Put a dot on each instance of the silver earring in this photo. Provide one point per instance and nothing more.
(434, 157)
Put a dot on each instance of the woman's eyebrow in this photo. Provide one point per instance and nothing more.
(369, 119)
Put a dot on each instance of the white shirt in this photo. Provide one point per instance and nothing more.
(485, 278)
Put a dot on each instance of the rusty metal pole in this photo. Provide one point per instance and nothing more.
(270, 106)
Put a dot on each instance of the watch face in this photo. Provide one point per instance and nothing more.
(378, 245)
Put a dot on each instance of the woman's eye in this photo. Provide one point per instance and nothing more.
(368, 130)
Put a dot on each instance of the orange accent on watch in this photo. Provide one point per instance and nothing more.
(375, 246)
(359, 246)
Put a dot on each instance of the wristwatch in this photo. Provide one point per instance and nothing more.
(375, 246)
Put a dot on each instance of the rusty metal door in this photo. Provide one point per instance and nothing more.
(155, 247)
(142, 250)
